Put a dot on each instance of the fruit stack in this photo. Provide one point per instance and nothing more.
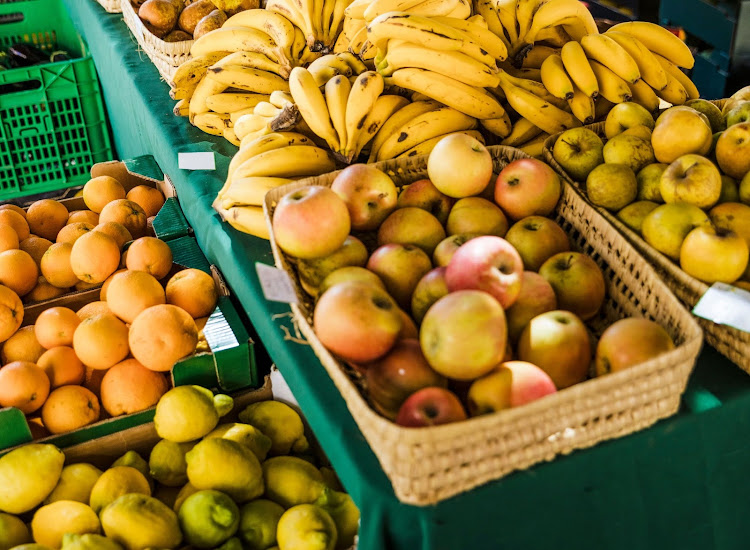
(178, 20)
(245, 484)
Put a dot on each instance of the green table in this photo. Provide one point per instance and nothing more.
(680, 484)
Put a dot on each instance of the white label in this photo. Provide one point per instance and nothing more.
(726, 305)
(276, 284)
(196, 161)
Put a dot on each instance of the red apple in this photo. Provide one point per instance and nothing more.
(357, 321)
(400, 267)
(628, 342)
(527, 187)
(510, 384)
(536, 297)
(412, 226)
(537, 238)
(370, 195)
(422, 194)
(311, 222)
(429, 290)
(487, 263)
(446, 248)
(476, 215)
(578, 283)
(459, 166)
(430, 407)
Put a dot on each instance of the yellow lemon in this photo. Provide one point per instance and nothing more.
(28, 475)
(249, 436)
(226, 466)
(306, 527)
(291, 481)
(134, 460)
(258, 521)
(187, 413)
(54, 520)
(344, 513)
(279, 422)
(73, 541)
(76, 482)
(115, 482)
(12, 532)
(139, 521)
(167, 462)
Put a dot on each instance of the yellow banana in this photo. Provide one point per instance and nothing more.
(249, 79)
(337, 94)
(491, 17)
(426, 147)
(523, 130)
(356, 10)
(506, 12)
(251, 60)
(353, 61)
(556, 36)
(674, 92)
(205, 89)
(525, 11)
(499, 126)
(579, 68)
(644, 95)
(299, 45)
(322, 73)
(262, 144)
(280, 99)
(247, 219)
(535, 147)
(231, 137)
(479, 20)
(364, 93)
(290, 11)
(250, 191)
(582, 106)
(249, 123)
(236, 39)
(535, 56)
(609, 53)
(461, 11)
(659, 40)
(479, 34)
(560, 12)
(276, 26)
(434, 8)
(229, 102)
(556, 79)
(675, 72)
(211, 123)
(335, 23)
(182, 108)
(536, 88)
(651, 71)
(189, 74)
(235, 116)
(379, 7)
(538, 111)
(397, 120)
(331, 60)
(312, 105)
(266, 109)
(611, 86)
(384, 108)
(288, 162)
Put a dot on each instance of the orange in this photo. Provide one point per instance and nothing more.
(93, 380)
(11, 313)
(105, 286)
(117, 231)
(43, 291)
(93, 308)
(161, 335)
(130, 387)
(151, 255)
(84, 216)
(37, 429)
(55, 327)
(18, 271)
(35, 247)
(194, 291)
(16, 221)
(131, 292)
(23, 385)
(101, 341)
(94, 257)
(69, 408)
(71, 232)
(62, 366)
(8, 238)
(22, 346)
(128, 213)
(148, 198)
(46, 218)
(98, 192)
(14, 208)
(56, 267)
(82, 285)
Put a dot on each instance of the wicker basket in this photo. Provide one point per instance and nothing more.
(110, 6)
(730, 342)
(426, 465)
(167, 56)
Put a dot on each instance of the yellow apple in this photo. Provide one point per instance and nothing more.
(624, 116)
(680, 132)
(712, 112)
(730, 191)
(667, 226)
(459, 166)
(649, 180)
(733, 150)
(400, 267)
(537, 238)
(640, 131)
(313, 272)
(578, 283)
(510, 384)
(412, 225)
(578, 151)
(732, 216)
(744, 189)
(628, 342)
(714, 255)
(692, 179)
(634, 214)
(369, 194)
(475, 215)
(350, 273)
(630, 150)
(612, 186)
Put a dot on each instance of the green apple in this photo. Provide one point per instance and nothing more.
(634, 214)
(667, 226)
(740, 113)
(578, 151)
(712, 112)
(649, 180)
(633, 151)
(313, 272)
(624, 116)
(612, 186)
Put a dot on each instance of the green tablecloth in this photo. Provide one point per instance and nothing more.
(680, 484)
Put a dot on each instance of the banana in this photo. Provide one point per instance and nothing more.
(299, 45)
(538, 111)
(523, 130)
(252, 60)
(488, 12)
(506, 12)
(337, 94)
(236, 39)
(582, 106)
(674, 92)
(461, 11)
(579, 68)
(266, 109)
(536, 88)
(472, 101)
(182, 108)
(498, 126)
(426, 147)
(205, 89)
(535, 147)
(651, 71)
(525, 11)
(249, 123)
(249, 79)
(479, 34)
(231, 137)
(189, 74)
(281, 99)
(250, 191)
(536, 55)
(353, 61)
(556, 36)
(322, 73)
(560, 12)
(290, 11)
(384, 108)
(312, 105)
(644, 95)
(479, 20)
(379, 7)
(288, 162)
(235, 116)
(609, 53)
(658, 40)
(528, 74)
(335, 23)
(364, 93)
(611, 86)
(211, 123)
(262, 144)
(397, 120)
(435, 8)
(675, 72)
(555, 79)
(356, 10)
(326, 67)
(229, 102)
(278, 27)
(443, 120)
(308, 10)
(247, 219)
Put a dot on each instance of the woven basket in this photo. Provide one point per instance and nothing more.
(730, 342)
(426, 465)
(166, 56)
(110, 6)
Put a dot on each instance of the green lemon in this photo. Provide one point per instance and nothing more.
(186, 413)
(258, 521)
(54, 520)
(139, 521)
(249, 436)
(115, 482)
(208, 518)
(167, 462)
(76, 482)
(306, 527)
(291, 481)
(12, 532)
(344, 513)
(28, 475)
(279, 422)
(185, 492)
(72, 541)
(225, 466)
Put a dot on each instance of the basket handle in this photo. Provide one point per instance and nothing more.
(23, 85)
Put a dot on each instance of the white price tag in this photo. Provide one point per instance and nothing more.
(196, 161)
(276, 284)
(725, 305)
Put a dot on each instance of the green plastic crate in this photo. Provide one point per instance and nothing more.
(52, 135)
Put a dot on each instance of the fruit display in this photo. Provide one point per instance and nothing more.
(268, 491)
(180, 20)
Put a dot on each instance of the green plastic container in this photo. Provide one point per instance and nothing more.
(50, 136)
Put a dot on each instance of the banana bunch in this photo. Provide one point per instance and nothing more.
(326, 67)
(278, 114)
(319, 20)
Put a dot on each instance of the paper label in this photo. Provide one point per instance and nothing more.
(725, 305)
(196, 161)
(275, 284)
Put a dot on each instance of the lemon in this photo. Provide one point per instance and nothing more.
(187, 413)
(208, 518)
(231, 544)
(279, 422)
(258, 521)
(76, 482)
(116, 482)
(330, 478)
(31, 546)
(226, 466)
(28, 475)
(344, 513)
(249, 436)
(52, 521)
(12, 532)
(139, 521)
(167, 462)
(306, 527)
(72, 541)
(185, 492)
(167, 495)
(291, 481)
(134, 460)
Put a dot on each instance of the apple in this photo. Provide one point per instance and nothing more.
(370, 195)
(397, 375)
(423, 194)
(408, 328)
(350, 273)
(744, 189)
(738, 114)
(429, 290)
(463, 335)
(487, 263)
(400, 267)
(680, 132)
(733, 150)
(311, 222)
(667, 226)
(649, 182)
(692, 179)
(628, 342)
(357, 321)
(578, 151)
(430, 407)
(558, 343)
(634, 214)
(475, 215)
(640, 131)
(732, 216)
(630, 150)
(714, 255)
(447, 247)
(536, 297)
(459, 166)
(730, 191)
(711, 111)
(578, 283)
(612, 186)
(536, 239)
(414, 226)
(527, 187)
(510, 384)
(624, 116)
(735, 99)
(313, 272)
